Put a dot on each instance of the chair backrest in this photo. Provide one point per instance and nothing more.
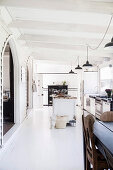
(84, 133)
(107, 116)
(88, 123)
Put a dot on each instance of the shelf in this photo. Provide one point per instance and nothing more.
(53, 89)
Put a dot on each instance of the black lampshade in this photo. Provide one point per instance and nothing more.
(87, 64)
(110, 44)
(71, 72)
(78, 67)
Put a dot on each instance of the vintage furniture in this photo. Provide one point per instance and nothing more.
(107, 116)
(55, 89)
(93, 155)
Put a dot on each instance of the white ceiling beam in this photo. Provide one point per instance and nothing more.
(102, 0)
(46, 52)
(58, 39)
(66, 58)
(52, 41)
(35, 46)
(77, 5)
(58, 26)
(57, 30)
(72, 17)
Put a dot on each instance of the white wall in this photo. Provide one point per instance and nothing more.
(106, 79)
(50, 67)
(30, 78)
(56, 79)
(103, 84)
(19, 86)
(90, 82)
(20, 53)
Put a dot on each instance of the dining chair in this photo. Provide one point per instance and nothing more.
(93, 155)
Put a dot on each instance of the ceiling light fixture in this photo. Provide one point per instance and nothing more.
(78, 67)
(110, 44)
(71, 72)
(87, 64)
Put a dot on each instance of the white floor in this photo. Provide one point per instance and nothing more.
(37, 147)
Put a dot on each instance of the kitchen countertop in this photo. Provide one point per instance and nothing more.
(103, 98)
(91, 96)
(64, 97)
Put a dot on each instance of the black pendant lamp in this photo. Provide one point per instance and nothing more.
(71, 72)
(110, 44)
(78, 67)
(87, 64)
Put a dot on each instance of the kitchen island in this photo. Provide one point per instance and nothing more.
(98, 104)
(64, 106)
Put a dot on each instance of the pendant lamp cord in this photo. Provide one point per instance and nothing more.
(78, 60)
(103, 35)
(71, 65)
(87, 52)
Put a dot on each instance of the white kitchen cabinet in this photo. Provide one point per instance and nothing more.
(92, 106)
(64, 107)
(106, 106)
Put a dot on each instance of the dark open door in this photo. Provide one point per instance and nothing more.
(11, 86)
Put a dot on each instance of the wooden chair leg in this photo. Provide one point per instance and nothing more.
(87, 164)
(95, 166)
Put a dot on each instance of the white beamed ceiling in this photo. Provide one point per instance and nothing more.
(58, 30)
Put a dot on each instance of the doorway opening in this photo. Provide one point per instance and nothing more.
(8, 90)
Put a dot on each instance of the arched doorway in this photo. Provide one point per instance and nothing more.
(10, 46)
(13, 49)
(16, 80)
(8, 90)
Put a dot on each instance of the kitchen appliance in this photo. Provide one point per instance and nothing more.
(98, 108)
(102, 104)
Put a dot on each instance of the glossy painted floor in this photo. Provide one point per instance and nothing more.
(37, 147)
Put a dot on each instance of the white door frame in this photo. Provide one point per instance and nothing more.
(16, 77)
(16, 81)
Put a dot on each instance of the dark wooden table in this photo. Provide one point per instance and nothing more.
(104, 139)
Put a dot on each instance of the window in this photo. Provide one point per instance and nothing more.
(106, 79)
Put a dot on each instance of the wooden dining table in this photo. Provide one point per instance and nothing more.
(103, 132)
